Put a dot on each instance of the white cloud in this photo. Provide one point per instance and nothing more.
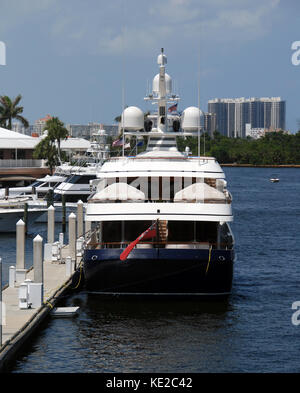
(98, 26)
(16, 12)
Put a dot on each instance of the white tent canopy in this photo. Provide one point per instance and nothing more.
(15, 140)
(199, 192)
(119, 191)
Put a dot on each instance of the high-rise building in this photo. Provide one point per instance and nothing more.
(232, 114)
(39, 125)
(209, 125)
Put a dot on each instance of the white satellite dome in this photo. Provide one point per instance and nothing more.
(155, 84)
(192, 118)
(162, 59)
(132, 118)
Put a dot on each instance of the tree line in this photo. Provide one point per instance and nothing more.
(274, 148)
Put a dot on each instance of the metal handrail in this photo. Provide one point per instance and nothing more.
(156, 243)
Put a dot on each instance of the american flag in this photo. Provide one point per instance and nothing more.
(173, 108)
(118, 142)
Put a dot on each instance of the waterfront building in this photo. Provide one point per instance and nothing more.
(254, 133)
(16, 155)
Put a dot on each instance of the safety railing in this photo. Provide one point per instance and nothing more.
(160, 244)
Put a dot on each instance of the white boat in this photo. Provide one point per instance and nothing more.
(39, 187)
(12, 210)
(274, 179)
(69, 180)
(77, 185)
(161, 219)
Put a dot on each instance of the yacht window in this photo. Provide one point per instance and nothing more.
(80, 179)
(36, 184)
(123, 231)
(198, 231)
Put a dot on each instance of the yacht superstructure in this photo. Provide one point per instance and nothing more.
(162, 217)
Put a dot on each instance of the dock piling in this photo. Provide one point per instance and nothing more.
(26, 216)
(79, 218)
(20, 251)
(12, 277)
(63, 202)
(51, 224)
(50, 197)
(72, 236)
(38, 259)
(38, 268)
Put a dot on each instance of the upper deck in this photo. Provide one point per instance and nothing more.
(161, 164)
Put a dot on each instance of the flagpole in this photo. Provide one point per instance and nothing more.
(199, 152)
(123, 136)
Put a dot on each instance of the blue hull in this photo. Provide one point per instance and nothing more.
(159, 271)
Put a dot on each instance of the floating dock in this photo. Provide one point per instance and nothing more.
(50, 277)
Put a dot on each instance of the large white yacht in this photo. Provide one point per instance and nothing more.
(161, 218)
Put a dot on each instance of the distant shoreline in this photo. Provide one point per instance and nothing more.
(262, 166)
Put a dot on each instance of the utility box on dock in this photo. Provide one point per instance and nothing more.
(20, 275)
(48, 252)
(35, 298)
(23, 295)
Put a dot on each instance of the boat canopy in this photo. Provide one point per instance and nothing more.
(198, 192)
(119, 191)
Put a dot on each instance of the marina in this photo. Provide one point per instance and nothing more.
(151, 243)
(149, 191)
(252, 331)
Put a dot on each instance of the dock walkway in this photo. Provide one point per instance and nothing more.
(19, 324)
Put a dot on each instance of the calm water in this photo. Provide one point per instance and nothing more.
(251, 332)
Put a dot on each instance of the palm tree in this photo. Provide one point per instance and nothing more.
(56, 132)
(47, 150)
(9, 110)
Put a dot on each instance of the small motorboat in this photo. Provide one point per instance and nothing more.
(274, 179)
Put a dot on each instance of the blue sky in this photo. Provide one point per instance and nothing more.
(71, 58)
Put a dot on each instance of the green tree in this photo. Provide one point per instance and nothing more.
(56, 132)
(9, 110)
(47, 150)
